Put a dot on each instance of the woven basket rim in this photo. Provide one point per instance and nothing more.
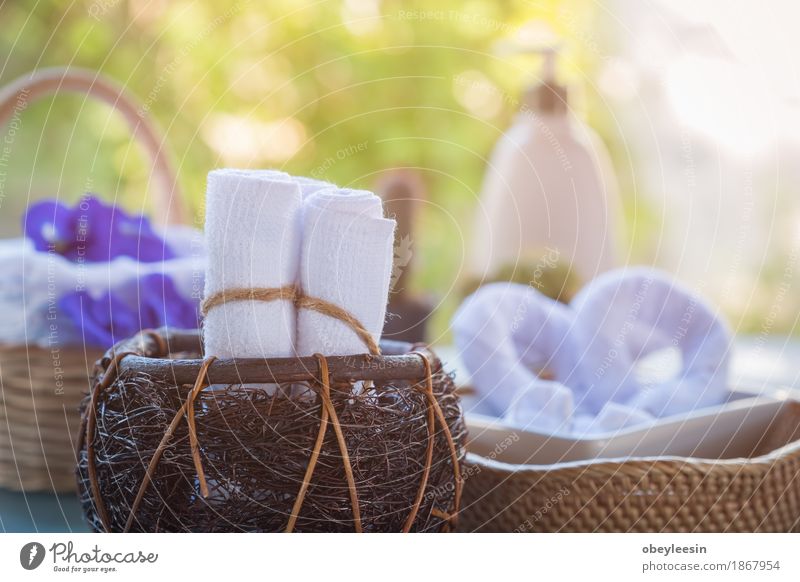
(79, 349)
(145, 351)
(647, 463)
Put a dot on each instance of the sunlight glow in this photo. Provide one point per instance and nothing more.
(718, 99)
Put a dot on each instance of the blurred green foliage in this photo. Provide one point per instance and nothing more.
(336, 90)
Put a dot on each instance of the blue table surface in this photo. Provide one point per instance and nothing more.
(40, 512)
(758, 364)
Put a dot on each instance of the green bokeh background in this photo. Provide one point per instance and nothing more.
(360, 86)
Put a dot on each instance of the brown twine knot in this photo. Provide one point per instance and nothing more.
(301, 301)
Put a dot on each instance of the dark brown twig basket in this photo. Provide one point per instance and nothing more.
(351, 443)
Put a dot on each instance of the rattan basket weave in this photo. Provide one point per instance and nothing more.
(41, 392)
(41, 388)
(759, 493)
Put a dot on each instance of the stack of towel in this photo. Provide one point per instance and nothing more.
(267, 229)
(571, 369)
(33, 283)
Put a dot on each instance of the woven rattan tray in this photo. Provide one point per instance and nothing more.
(757, 491)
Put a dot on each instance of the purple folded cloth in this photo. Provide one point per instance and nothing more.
(92, 231)
(149, 302)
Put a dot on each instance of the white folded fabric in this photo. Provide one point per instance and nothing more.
(561, 369)
(507, 335)
(542, 406)
(612, 418)
(309, 186)
(253, 241)
(642, 310)
(331, 243)
(33, 282)
(346, 258)
(30, 287)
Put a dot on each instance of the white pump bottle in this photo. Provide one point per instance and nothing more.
(549, 189)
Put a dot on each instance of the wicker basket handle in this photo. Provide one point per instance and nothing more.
(169, 206)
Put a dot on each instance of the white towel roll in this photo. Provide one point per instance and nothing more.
(309, 186)
(346, 259)
(252, 241)
(646, 310)
(507, 334)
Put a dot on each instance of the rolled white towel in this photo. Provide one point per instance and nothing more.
(644, 310)
(507, 334)
(309, 186)
(534, 364)
(346, 259)
(542, 405)
(252, 241)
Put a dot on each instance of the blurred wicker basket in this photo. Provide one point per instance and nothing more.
(41, 388)
(41, 392)
(756, 493)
